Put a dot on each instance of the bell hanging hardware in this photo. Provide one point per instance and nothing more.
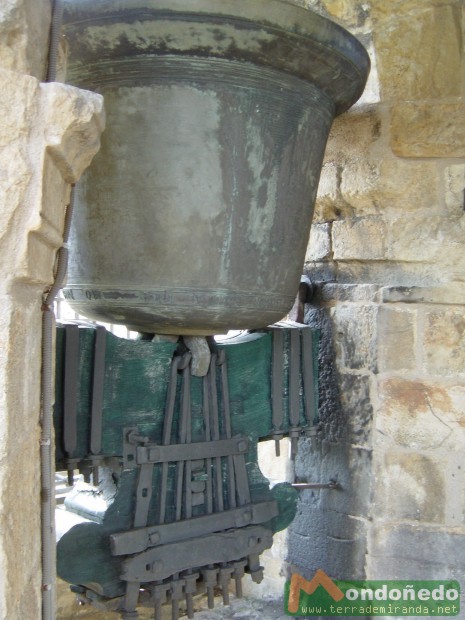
(192, 220)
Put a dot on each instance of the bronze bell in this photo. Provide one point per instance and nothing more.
(194, 217)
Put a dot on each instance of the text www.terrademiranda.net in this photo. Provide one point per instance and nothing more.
(380, 609)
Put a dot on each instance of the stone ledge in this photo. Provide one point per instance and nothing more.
(445, 294)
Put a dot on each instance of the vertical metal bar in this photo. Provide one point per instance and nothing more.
(277, 386)
(242, 480)
(188, 464)
(158, 611)
(166, 438)
(215, 430)
(144, 494)
(185, 406)
(131, 599)
(294, 385)
(98, 377)
(227, 426)
(208, 462)
(96, 408)
(70, 389)
(170, 401)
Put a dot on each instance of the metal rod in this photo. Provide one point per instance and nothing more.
(215, 429)
(70, 389)
(185, 406)
(46, 433)
(98, 379)
(168, 423)
(294, 392)
(208, 462)
(227, 426)
(301, 486)
(277, 387)
(143, 494)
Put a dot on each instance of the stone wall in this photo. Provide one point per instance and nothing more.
(48, 135)
(387, 254)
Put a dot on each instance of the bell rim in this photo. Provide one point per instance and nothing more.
(328, 44)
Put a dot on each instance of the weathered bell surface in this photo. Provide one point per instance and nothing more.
(194, 217)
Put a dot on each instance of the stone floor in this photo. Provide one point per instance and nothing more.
(239, 609)
(246, 609)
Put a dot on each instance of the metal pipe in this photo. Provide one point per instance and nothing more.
(46, 464)
(301, 486)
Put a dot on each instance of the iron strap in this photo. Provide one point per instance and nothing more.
(193, 451)
(161, 562)
(70, 389)
(138, 540)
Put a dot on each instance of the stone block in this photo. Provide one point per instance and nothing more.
(49, 134)
(408, 185)
(379, 185)
(355, 336)
(396, 339)
(350, 13)
(412, 551)
(359, 239)
(331, 291)
(354, 135)
(327, 540)
(421, 416)
(360, 182)
(387, 273)
(354, 169)
(428, 129)
(410, 486)
(444, 341)
(454, 180)
(330, 413)
(350, 466)
(455, 494)
(24, 32)
(415, 58)
(73, 120)
(434, 240)
(356, 403)
(379, 8)
(56, 129)
(452, 293)
(319, 245)
(329, 205)
(321, 271)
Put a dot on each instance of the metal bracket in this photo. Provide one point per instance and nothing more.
(155, 453)
(130, 447)
(138, 540)
(164, 561)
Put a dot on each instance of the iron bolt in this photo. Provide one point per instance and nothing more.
(242, 445)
